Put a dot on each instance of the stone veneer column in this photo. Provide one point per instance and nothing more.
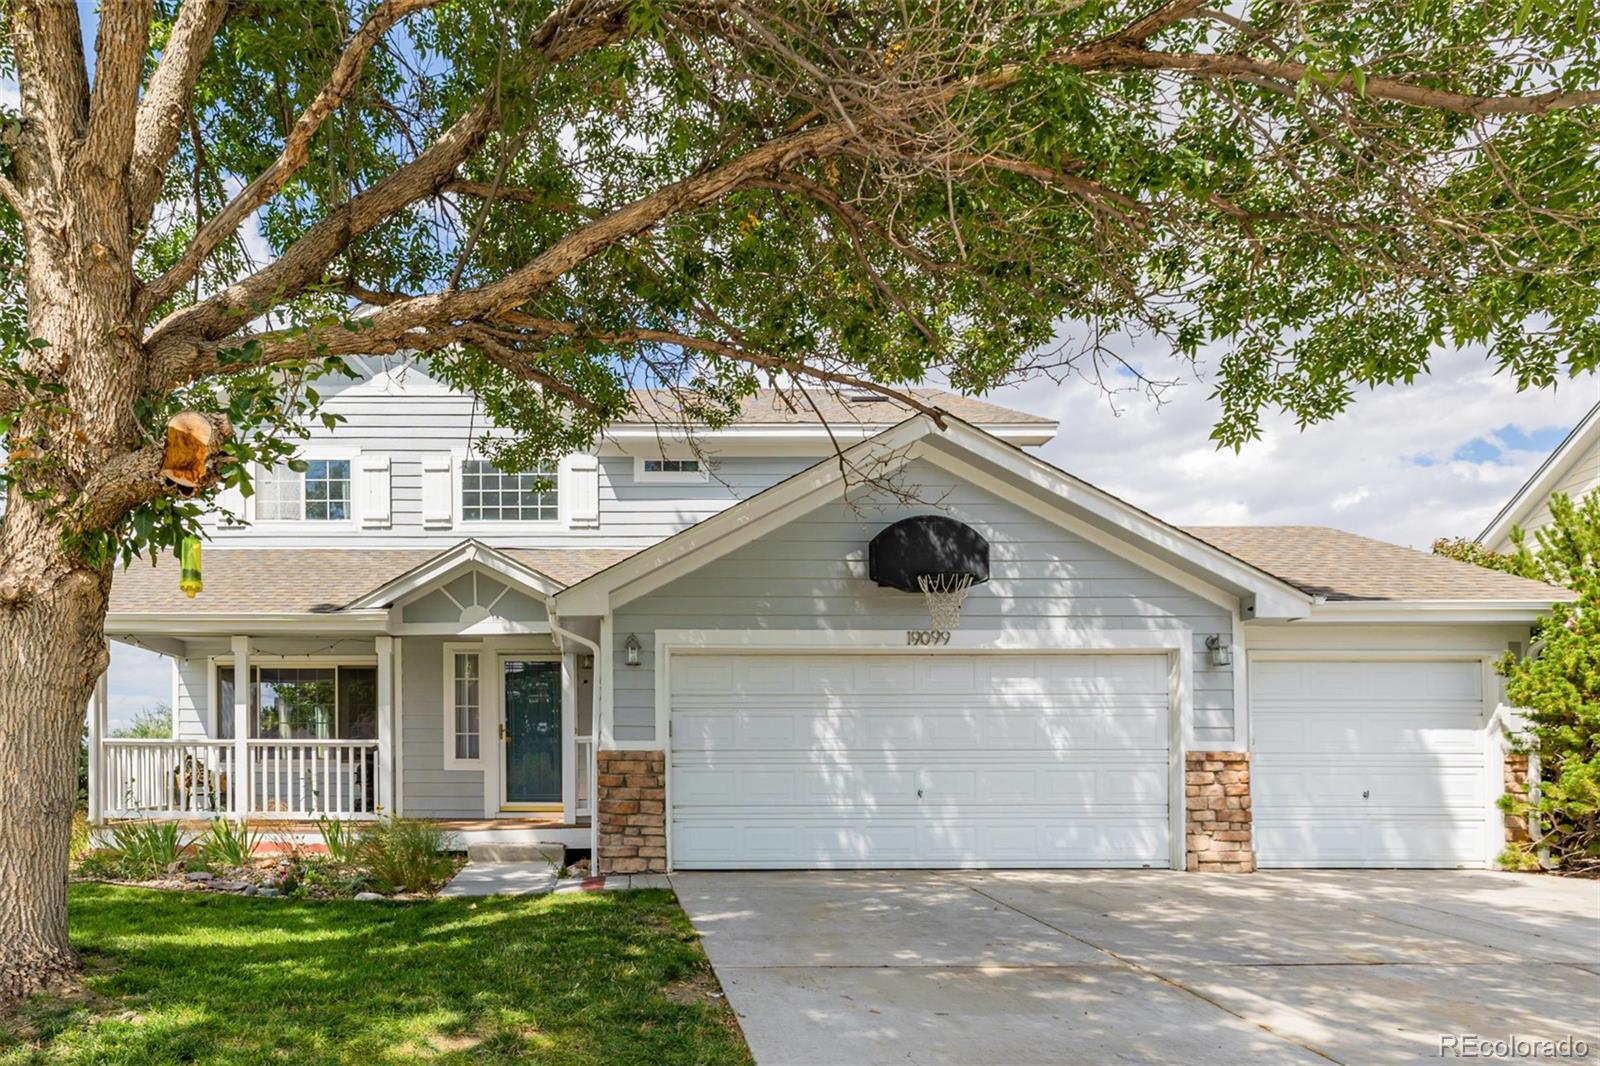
(1216, 787)
(632, 788)
(1516, 784)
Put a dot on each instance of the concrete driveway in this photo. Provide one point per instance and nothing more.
(1147, 966)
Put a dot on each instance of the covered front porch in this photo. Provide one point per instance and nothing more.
(488, 734)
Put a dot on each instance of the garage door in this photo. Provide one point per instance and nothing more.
(871, 760)
(1368, 763)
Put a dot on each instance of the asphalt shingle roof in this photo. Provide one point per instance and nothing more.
(298, 580)
(771, 407)
(1346, 566)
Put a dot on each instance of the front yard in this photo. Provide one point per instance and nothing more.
(614, 977)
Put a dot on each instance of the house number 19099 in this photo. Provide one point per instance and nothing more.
(927, 637)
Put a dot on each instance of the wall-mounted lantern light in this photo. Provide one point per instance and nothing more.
(631, 649)
(1221, 654)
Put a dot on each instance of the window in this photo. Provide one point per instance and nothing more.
(304, 703)
(490, 495)
(672, 466)
(463, 709)
(319, 494)
(661, 468)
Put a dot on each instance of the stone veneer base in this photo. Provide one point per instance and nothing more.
(1217, 820)
(632, 827)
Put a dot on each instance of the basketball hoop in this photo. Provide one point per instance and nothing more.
(944, 594)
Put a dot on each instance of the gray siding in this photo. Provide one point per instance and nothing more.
(405, 425)
(191, 714)
(431, 791)
(812, 573)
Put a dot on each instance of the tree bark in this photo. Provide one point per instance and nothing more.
(52, 649)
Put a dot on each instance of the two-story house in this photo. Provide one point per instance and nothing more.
(722, 654)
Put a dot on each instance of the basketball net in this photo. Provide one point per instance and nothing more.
(944, 594)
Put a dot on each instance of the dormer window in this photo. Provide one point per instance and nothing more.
(492, 495)
(320, 492)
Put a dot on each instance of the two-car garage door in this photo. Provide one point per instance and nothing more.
(882, 760)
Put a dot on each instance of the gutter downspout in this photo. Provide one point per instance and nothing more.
(562, 634)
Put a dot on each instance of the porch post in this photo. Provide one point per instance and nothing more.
(97, 766)
(569, 733)
(242, 770)
(386, 749)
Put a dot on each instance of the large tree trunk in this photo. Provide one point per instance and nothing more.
(52, 648)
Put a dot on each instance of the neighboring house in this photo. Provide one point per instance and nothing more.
(680, 657)
(1573, 468)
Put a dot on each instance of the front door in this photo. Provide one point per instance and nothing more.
(532, 732)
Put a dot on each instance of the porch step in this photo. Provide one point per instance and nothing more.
(555, 853)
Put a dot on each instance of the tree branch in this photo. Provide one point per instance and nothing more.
(296, 149)
(570, 31)
(119, 50)
(134, 477)
(166, 101)
(54, 87)
(1115, 57)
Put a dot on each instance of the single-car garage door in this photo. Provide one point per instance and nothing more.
(879, 760)
(1368, 763)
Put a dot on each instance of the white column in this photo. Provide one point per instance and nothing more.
(97, 763)
(399, 691)
(569, 747)
(386, 749)
(243, 773)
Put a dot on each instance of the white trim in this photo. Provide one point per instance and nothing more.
(310, 453)
(1176, 641)
(498, 526)
(349, 623)
(1537, 489)
(444, 567)
(451, 760)
(1476, 611)
(641, 476)
(1241, 684)
(386, 717)
(399, 727)
(569, 731)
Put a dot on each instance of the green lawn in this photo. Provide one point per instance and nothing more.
(613, 977)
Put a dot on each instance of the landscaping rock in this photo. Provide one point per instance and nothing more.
(269, 892)
(251, 890)
(230, 886)
(369, 897)
(198, 875)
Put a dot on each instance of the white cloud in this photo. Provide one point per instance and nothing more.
(1405, 464)
(137, 679)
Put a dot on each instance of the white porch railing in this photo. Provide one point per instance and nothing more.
(307, 778)
(583, 760)
(200, 779)
(169, 778)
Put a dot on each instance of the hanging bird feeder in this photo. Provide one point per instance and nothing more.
(189, 580)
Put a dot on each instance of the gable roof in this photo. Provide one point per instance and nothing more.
(243, 581)
(1341, 566)
(1537, 489)
(971, 452)
(770, 407)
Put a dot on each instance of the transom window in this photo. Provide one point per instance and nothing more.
(491, 495)
(304, 703)
(672, 466)
(319, 493)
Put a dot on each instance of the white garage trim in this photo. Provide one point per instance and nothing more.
(1176, 642)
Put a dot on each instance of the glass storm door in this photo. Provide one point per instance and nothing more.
(533, 731)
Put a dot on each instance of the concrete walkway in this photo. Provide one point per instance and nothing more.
(501, 879)
(1147, 966)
